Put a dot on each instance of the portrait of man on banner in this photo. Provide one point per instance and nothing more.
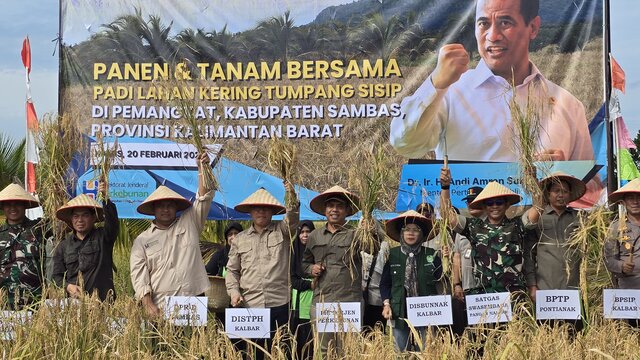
(466, 113)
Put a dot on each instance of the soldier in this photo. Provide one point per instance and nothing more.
(22, 249)
(497, 242)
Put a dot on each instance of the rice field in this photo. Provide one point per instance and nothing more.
(92, 330)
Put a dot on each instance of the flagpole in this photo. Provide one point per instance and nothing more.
(26, 58)
(612, 178)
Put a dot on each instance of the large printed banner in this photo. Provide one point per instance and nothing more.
(420, 79)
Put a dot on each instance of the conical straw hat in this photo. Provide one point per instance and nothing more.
(81, 201)
(495, 190)
(15, 192)
(260, 198)
(632, 187)
(318, 203)
(577, 187)
(162, 193)
(395, 225)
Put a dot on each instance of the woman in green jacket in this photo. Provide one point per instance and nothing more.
(411, 270)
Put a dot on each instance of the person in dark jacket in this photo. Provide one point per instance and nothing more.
(301, 294)
(83, 261)
(411, 270)
(217, 265)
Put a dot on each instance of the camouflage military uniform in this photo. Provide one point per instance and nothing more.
(496, 251)
(21, 262)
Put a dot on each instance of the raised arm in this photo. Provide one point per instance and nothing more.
(292, 217)
(204, 165)
(111, 224)
(445, 198)
(417, 129)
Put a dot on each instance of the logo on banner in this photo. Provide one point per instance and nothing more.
(90, 188)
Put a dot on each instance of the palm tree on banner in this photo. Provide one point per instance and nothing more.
(11, 160)
(276, 35)
(378, 38)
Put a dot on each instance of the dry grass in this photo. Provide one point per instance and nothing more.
(526, 127)
(588, 239)
(96, 331)
(59, 141)
(369, 180)
(103, 156)
(84, 331)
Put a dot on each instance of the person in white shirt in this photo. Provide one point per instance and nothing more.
(454, 100)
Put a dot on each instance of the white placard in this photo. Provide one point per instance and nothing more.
(61, 303)
(247, 323)
(621, 303)
(338, 317)
(10, 320)
(489, 308)
(429, 310)
(558, 304)
(156, 155)
(186, 310)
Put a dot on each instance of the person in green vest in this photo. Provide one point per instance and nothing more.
(411, 270)
(301, 294)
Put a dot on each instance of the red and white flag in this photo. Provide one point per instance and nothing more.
(31, 152)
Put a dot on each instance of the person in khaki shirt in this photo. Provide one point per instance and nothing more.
(165, 259)
(549, 262)
(330, 260)
(258, 266)
(622, 244)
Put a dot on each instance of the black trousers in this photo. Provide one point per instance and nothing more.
(459, 312)
(372, 316)
(302, 330)
(279, 317)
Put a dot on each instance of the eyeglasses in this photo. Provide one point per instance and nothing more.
(495, 202)
(416, 230)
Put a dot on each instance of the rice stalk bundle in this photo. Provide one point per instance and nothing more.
(58, 142)
(441, 228)
(526, 128)
(192, 125)
(369, 179)
(282, 159)
(589, 239)
(103, 158)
